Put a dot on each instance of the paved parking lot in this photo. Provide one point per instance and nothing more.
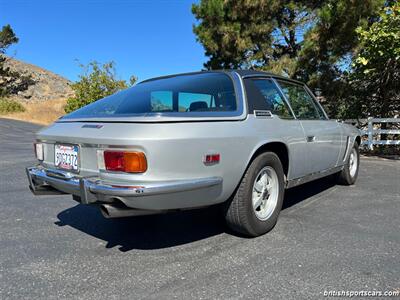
(328, 237)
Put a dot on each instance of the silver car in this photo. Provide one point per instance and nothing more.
(235, 138)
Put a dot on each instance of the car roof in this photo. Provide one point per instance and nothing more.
(242, 73)
(255, 73)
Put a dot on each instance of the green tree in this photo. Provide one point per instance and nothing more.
(329, 46)
(309, 40)
(251, 34)
(11, 82)
(7, 38)
(96, 81)
(375, 77)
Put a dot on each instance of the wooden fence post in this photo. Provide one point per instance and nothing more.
(370, 133)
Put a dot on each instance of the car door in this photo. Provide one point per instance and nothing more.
(323, 136)
(266, 97)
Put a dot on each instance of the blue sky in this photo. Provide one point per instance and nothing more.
(144, 38)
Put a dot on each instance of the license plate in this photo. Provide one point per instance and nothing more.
(66, 157)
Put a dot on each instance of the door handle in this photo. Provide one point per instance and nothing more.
(310, 138)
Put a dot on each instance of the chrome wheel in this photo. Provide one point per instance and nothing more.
(265, 193)
(353, 162)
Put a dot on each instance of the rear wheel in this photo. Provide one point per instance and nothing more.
(255, 206)
(349, 174)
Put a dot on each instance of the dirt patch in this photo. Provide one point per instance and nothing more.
(45, 112)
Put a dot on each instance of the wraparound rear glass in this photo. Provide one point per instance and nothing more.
(201, 93)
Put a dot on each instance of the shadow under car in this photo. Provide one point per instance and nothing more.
(167, 230)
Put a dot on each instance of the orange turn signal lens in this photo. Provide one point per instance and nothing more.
(135, 162)
(123, 161)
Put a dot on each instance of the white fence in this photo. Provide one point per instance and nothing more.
(373, 132)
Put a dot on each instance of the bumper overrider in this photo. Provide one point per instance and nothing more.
(151, 196)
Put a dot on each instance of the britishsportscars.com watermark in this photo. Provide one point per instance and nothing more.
(362, 293)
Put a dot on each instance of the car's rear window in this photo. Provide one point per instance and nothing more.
(182, 94)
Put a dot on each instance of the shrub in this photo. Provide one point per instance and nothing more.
(96, 81)
(10, 106)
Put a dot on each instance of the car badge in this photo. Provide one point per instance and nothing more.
(95, 126)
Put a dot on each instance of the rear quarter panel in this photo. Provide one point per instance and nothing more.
(176, 150)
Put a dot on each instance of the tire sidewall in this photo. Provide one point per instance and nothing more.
(352, 179)
(266, 159)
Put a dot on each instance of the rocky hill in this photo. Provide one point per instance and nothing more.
(47, 85)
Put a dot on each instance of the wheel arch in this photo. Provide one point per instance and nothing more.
(358, 140)
(277, 147)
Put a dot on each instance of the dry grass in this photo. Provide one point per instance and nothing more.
(44, 113)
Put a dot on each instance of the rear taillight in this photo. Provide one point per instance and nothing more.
(39, 153)
(125, 161)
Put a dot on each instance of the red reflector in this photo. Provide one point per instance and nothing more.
(212, 158)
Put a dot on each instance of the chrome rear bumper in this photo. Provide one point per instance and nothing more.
(150, 195)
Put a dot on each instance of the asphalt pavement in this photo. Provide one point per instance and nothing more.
(328, 237)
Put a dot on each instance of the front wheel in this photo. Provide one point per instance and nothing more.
(349, 174)
(255, 206)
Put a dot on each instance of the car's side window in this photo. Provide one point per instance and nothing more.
(161, 101)
(301, 102)
(320, 111)
(273, 98)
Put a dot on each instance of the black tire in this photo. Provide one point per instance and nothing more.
(239, 213)
(345, 177)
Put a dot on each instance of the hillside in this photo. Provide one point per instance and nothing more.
(47, 86)
(44, 101)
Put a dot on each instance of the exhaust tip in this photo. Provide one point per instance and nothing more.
(120, 210)
(104, 211)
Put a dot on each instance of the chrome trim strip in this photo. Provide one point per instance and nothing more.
(298, 181)
(87, 145)
(348, 140)
(271, 75)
